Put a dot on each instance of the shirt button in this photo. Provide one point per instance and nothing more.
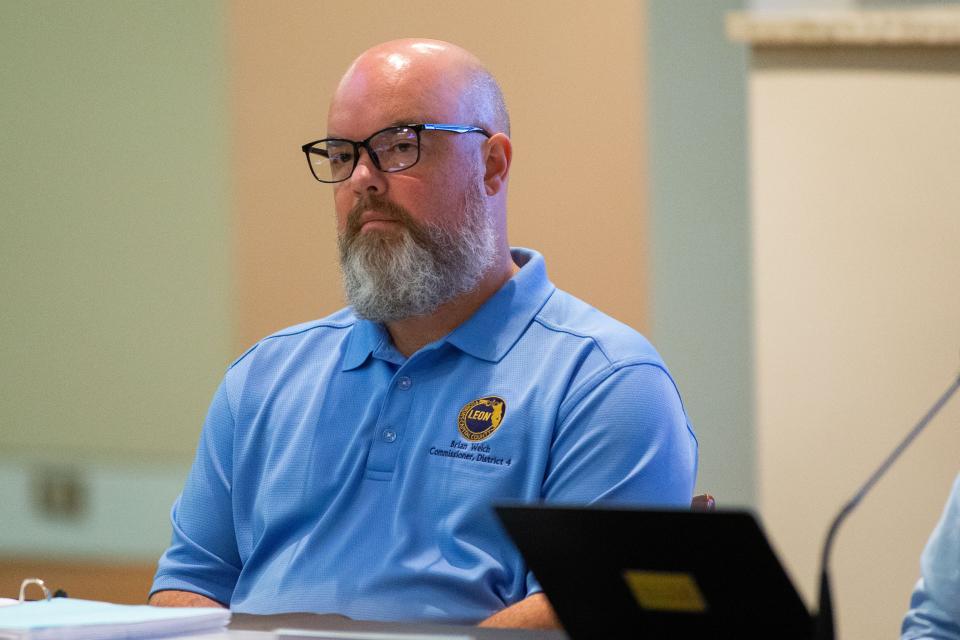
(389, 435)
(404, 383)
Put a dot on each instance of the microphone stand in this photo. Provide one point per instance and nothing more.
(823, 623)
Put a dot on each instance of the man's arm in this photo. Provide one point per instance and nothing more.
(623, 439)
(203, 557)
(533, 612)
(926, 620)
(935, 604)
(174, 598)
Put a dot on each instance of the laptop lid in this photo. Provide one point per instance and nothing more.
(612, 572)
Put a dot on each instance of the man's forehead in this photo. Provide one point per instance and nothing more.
(398, 83)
(362, 111)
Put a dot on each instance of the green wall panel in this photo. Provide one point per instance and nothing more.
(114, 256)
(700, 230)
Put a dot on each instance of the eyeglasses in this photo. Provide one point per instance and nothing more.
(392, 149)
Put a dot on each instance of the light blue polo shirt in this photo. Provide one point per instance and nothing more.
(935, 602)
(333, 475)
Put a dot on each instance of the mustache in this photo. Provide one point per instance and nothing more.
(380, 205)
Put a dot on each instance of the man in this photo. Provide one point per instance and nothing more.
(935, 605)
(348, 465)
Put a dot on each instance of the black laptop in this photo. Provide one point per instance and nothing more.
(658, 574)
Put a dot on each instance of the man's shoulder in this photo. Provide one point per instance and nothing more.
(566, 315)
(336, 326)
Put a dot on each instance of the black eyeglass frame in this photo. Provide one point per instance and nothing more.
(450, 128)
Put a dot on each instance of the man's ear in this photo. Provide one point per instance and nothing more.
(499, 152)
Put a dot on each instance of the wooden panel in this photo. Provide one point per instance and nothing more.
(123, 583)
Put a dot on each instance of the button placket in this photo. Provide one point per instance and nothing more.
(388, 438)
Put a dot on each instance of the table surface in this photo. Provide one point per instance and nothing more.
(252, 627)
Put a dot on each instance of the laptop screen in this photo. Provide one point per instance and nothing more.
(657, 573)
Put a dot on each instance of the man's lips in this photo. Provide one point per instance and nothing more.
(376, 220)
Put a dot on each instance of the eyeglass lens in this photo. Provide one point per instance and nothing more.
(395, 149)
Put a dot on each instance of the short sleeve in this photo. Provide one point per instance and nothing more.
(935, 604)
(202, 557)
(926, 620)
(623, 438)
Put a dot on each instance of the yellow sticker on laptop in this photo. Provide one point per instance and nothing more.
(665, 591)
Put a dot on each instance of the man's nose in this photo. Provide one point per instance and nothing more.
(366, 177)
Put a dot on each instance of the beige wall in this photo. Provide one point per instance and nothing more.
(856, 272)
(569, 72)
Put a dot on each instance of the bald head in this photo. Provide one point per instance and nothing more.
(433, 73)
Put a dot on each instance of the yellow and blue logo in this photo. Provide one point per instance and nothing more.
(480, 418)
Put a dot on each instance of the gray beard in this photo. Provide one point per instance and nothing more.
(393, 276)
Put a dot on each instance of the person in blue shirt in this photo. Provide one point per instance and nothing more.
(348, 465)
(935, 604)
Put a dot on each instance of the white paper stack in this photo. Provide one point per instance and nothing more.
(73, 619)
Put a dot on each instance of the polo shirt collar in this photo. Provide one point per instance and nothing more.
(497, 325)
(488, 334)
(366, 338)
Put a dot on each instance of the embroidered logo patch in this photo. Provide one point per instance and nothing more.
(480, 418)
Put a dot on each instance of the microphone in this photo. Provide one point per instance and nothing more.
(823, 623)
